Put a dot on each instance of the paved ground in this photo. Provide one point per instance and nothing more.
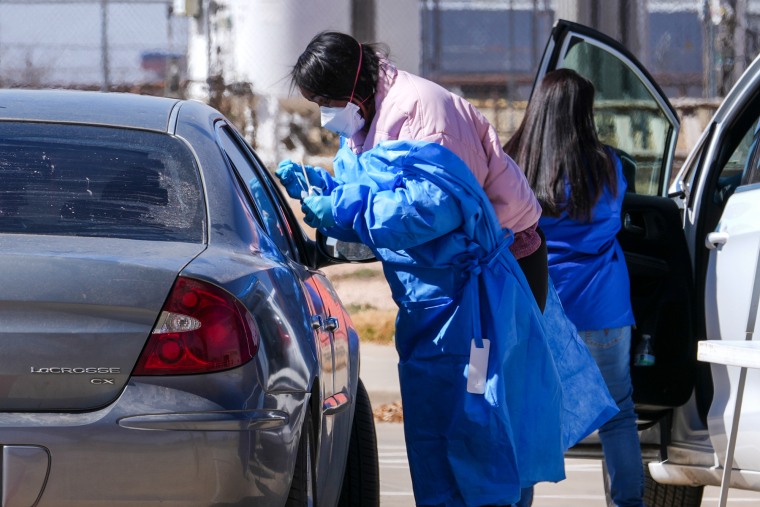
(379, 372)
(582, 488)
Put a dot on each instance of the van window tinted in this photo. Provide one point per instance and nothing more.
(627, 113)
(98, 181)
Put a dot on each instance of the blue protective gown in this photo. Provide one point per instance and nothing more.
(420, 209)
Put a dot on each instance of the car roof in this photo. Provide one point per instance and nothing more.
(87, 107)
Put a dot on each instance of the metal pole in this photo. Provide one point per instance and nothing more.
(534, 36)
(511, 52)
(707, 51)
(437, 39)
(363, 19)
(207, 15)
(740, 39)
(106, 85)
(725, 483)
(642, 26)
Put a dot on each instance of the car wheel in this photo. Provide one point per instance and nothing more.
(361, 480)
(302, 489)
(660, 495)
(669, 495)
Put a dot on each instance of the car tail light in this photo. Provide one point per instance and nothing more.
(201, 329)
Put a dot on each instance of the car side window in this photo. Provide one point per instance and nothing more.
(628, 114)
(266, 208)
(735, 161)
(751, 173)
(733, 171)
(740, 146)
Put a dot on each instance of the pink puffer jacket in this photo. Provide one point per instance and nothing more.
(409, 107)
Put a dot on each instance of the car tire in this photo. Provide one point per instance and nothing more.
(669, 495)
(659, 495)
(303, 487)
(361, 480)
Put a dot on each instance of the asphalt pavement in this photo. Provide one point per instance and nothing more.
(582, 488)
(379, 372)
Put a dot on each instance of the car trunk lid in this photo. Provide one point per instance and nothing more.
(75, 313)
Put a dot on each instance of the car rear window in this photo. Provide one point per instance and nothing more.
(98, 181)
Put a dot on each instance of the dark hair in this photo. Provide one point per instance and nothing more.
(327, 67)
(557, 146)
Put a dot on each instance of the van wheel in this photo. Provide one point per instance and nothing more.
(660, 495)
(361, 480)
(302, 488)
(669, 495)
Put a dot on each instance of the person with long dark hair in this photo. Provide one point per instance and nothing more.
(494, 389)
(496, 384)
(367, 100)
(580, 184)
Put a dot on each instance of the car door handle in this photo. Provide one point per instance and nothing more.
(716, 240)
(331, 324)
(629, 226)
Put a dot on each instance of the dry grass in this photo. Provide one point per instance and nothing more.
(391, 412)
(358, 274)
(373, 325)
(366, 295)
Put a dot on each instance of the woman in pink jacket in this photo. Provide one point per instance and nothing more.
(364, 98)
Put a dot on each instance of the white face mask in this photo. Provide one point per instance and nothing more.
(344, 121)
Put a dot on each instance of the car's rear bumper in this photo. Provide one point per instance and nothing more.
(141, 451)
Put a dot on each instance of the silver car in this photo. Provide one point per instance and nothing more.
(166, 337)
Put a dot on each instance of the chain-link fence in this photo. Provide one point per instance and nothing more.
(91, 44)
(486, 50)
(693, 48)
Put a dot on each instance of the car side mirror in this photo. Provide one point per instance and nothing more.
(339, 251)
(677, 189)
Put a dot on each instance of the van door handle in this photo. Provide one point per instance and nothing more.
(629, 226)
(715, 240)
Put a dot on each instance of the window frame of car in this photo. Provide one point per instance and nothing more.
(719, 147)
(751, 176)
(568, 47)
(731, 125)
(683, 184)
(288, 242)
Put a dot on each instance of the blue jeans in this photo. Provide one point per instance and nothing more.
(619, 436)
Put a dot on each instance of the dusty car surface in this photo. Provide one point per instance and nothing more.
(166, 336)
(692, 244)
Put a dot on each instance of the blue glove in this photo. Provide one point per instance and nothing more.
(318, 211)
(292, 177)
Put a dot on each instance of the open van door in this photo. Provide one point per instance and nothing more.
(723, 189)
(633, 115)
